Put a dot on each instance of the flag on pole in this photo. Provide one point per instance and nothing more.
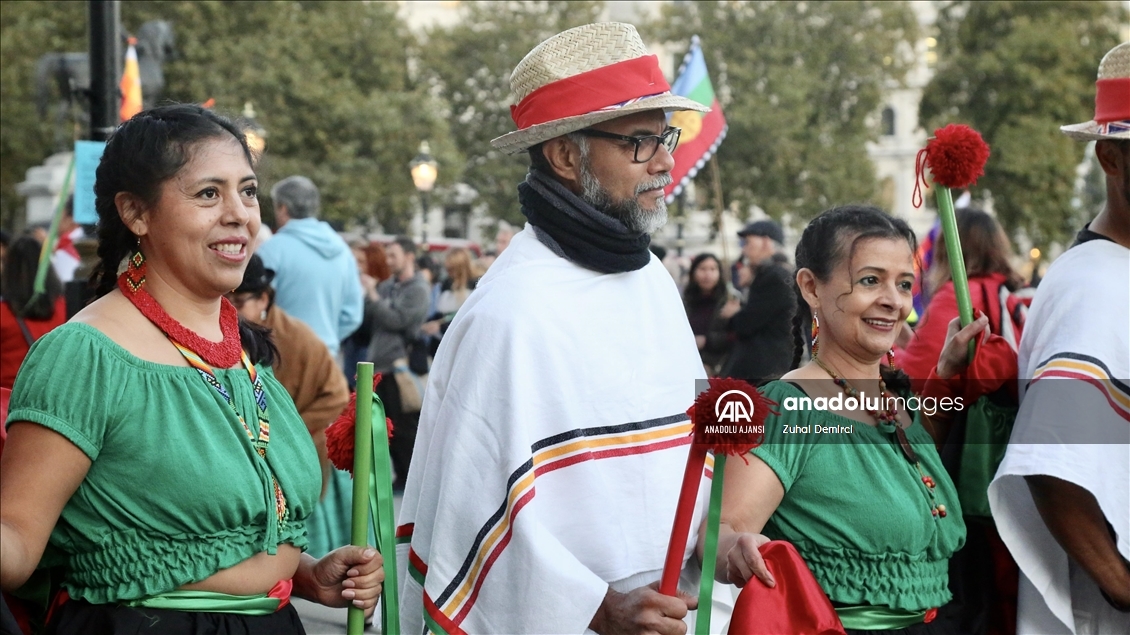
(702, 132)
(131, 84)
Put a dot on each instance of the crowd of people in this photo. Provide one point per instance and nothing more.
(165, 471)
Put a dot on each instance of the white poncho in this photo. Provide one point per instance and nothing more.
(550, 450)
(1073, 424)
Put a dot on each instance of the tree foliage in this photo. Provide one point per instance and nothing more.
(28, 30)
(799, 83)
(329, 82)
(469, 66)
(1016, 71)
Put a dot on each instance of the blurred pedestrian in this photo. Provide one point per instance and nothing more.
(761, 328)
(65, 258)
(705, 299)
(394, 313)
(454, 291)
(992, 282)
(22, 320)
(316, 277)
(372, 269)
(502, 238)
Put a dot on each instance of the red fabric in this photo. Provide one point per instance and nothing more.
(282, 591)
(13, 346)
(67, 244)
(920, 357)
(994, 365)
(1112, 99)
(590, 91)
(797, 605)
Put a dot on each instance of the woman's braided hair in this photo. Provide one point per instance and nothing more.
(141, 155)
(830, 240)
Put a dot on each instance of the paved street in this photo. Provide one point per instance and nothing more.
(321, 620)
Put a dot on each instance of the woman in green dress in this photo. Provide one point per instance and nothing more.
(848, 472)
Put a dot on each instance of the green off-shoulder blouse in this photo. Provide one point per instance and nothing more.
(175, 490)
(856, 510)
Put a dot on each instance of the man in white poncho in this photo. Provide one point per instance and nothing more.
(553, 435)
(1061, 497)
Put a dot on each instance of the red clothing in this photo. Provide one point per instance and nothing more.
(921, 354)
(13, 345)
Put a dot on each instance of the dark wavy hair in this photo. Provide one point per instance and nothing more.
(692, 292)
(830, 240)
(141, 155)
(21, 263)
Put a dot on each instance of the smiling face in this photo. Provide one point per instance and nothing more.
(196, 236)
(866, 298)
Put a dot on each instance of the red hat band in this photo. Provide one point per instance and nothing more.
(1112, 99)
(602, 88)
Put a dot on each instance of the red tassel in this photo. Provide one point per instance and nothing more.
(956, 156)
(339, 435)
(702, 414)
(730, 443)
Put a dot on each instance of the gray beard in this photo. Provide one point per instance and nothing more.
(628, 211)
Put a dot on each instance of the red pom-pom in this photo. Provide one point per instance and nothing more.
(340, 434)
(956, 156)
(743, 434)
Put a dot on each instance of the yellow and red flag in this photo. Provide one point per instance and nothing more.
(702, 132)
(131, 84)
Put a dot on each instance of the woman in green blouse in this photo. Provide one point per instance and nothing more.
(848, 471)
(151, 452)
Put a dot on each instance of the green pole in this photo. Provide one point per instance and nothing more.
(710, 549)
(48, 246)
(957, 260)
(362, 467)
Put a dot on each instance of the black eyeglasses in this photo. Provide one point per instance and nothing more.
(645, 146)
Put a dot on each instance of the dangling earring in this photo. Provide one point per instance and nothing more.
(891, 359)
(263, 315)
(135, 269)
(815, 334)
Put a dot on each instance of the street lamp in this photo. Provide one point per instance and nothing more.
(424, 172)
(255, 134)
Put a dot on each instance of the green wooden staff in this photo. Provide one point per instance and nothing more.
(372, 498)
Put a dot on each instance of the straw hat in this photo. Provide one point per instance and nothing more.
(581, 77)
(1112, 100)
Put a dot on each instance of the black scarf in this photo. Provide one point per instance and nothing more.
(575, 230)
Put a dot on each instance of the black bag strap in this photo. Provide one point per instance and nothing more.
(23, 325)
(27, 334)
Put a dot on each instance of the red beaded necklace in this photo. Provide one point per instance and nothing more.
(222, 354)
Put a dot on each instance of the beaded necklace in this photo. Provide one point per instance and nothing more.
(222, 354)
(888, 422)
(260, 438)
(203, 355)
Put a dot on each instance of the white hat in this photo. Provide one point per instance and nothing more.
(1112, 100)
(581, 77)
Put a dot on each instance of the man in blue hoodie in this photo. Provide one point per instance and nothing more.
(316, 277)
